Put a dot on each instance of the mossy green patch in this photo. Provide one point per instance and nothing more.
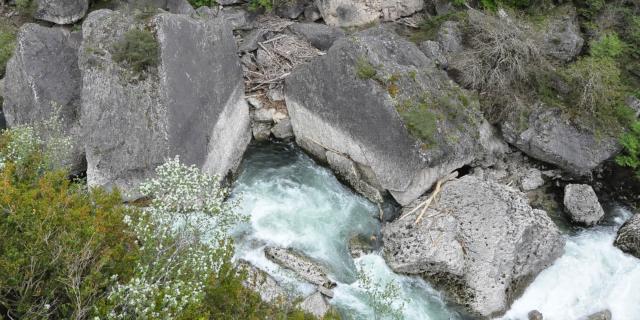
(7, 44)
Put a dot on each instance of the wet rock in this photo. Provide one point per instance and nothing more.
(359, 246)
(550, 137)
(61, 11)
(333, 107)
(261, 131)
(532, 180)
(315, 304)
(628, 239)
(305, 268)
(480, 242)
(43, 80)
(319, 35)
(562, 39)
(178, 108)
(602, 315)
(282, 130)
(582, 204)
(346, 169)
(535, 315)
(349, 13)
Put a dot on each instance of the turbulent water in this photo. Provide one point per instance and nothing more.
(591, 276)
(292, 202)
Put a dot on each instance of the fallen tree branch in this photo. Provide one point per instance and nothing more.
(425, 204)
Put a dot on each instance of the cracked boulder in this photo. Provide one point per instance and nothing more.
(388, 116)
(480, 242)
(350, 13)
(190, 104)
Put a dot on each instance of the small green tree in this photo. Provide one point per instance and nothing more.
(380, 298)
(138, 50)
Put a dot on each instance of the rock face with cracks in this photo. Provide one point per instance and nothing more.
(349, 102)
(60, 11)
(43, 81)
(480, 242)
(349, 13)
(191, 104)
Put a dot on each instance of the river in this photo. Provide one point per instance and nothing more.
(293, 202)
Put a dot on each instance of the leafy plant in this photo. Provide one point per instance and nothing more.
(631, 154)
(608, 46)
(26, 7)
(261, 4)
(138, 50)
(61, 243)
(364, 69)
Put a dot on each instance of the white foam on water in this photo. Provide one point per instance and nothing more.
(416, 299)
(591, 276)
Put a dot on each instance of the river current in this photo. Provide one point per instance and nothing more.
(293, 202)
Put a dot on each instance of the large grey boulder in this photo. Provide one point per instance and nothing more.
(61, 11)
(43, 81)
(628, 239)
(334, 108)
(480, 242)
(190, 105)
(548, 136)
(302, 266)
(582, 204)
(561, 38)
(349, 13)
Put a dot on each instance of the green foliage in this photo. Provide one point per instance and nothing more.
(631, 153)
(202, 3)
(420, 120)
(364, 69)
(261, 4)
(26, 7)
(489, 5)
(380, 298)
(589, 9)
(137, 50)
(458, 3)
(7, 44)
(61, 243)
(608, 46)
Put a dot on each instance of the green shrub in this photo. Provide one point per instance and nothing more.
(608, 46)
(420, 120)
(61, 243)
(202, 3)
(364, 69)
(590, 8)
(138, 50)
(7, 44)
(630, 156)
(26, 7)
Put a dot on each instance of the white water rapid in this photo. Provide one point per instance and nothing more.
(293, 202)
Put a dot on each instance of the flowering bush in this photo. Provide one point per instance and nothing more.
(183, 234)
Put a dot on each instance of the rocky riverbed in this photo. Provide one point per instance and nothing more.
(452, 150)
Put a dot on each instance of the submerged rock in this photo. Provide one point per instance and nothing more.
(550, 137)
(480, 242)
(350, 102)
(304, 267)
(582, 204)
(191, 104)
(602, 315)
(60, 11)
(43, 81)
(349, 13)
(535, 315)
(628, 239)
